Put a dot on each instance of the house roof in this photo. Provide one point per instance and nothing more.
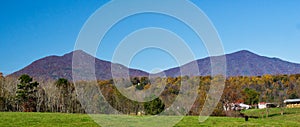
(291, 100)
(262, 103)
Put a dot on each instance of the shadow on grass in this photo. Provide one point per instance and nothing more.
(279, 114)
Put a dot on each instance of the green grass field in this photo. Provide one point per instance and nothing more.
(19, 119)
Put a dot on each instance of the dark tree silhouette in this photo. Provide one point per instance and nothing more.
(26, 93)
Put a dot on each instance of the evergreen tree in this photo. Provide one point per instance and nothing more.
(154, 107)
(26, 93)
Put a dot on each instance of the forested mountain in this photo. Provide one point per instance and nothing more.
(55, 67)
(242, 63)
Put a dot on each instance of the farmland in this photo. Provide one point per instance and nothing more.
(290, 118)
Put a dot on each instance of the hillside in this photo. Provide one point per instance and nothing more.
(54, 67)
(242, 63)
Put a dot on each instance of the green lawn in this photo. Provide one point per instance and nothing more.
(23, 119)
(19, 119)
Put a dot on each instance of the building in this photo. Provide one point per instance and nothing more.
(244, 106)
(262, 105)
(236, 106)
(292, 103)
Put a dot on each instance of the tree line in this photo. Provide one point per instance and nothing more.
(25, 94)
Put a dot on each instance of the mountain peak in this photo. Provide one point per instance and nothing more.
(80, 52)
(243, 52)
(244, 63)
(55, 67)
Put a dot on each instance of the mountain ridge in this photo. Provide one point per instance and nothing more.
(54, 67)
(240, 63)
(243, 63)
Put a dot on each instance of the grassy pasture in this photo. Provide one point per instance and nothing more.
(21, 119)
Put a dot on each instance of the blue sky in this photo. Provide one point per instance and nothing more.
(33, 29)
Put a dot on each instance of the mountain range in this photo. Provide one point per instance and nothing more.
(241, 63)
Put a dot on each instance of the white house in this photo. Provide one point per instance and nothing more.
(236, 106)
(244, 106)
(262, 105)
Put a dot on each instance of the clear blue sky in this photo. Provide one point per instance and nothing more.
(33, 29)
